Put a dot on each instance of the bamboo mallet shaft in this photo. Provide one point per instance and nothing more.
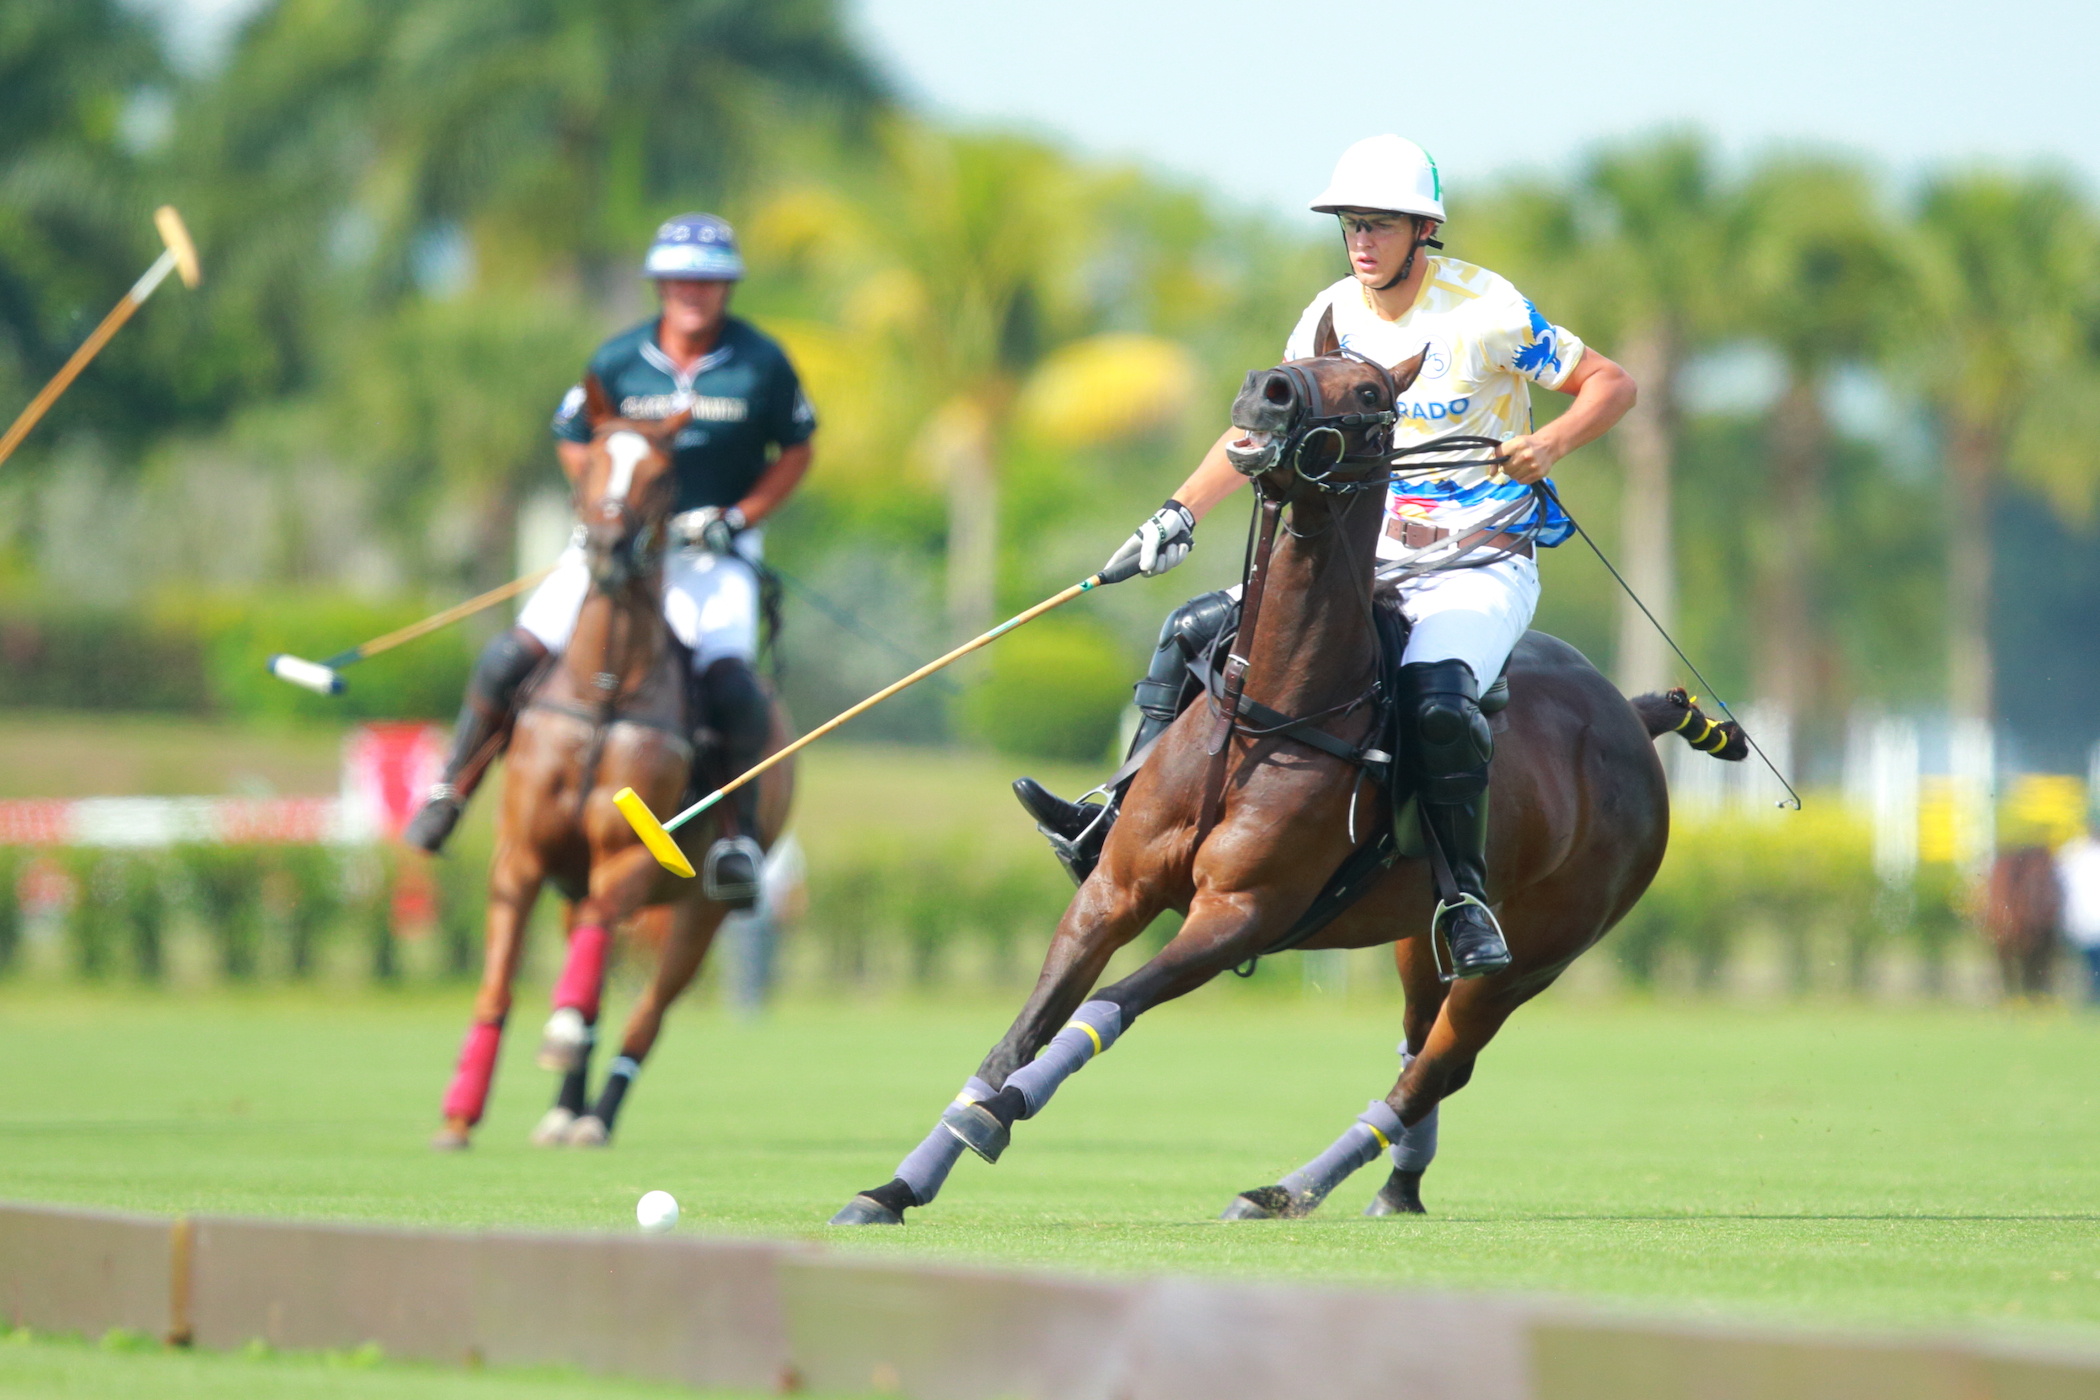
(440, 620)
(180, 255)
(1059, 600)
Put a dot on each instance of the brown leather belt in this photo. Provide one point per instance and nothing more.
(1413, 534)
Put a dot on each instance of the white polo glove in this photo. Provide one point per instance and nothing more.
(710, 528)
(1159, 544)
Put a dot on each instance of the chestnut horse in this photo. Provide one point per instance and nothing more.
(611, 713)
(1240, 828)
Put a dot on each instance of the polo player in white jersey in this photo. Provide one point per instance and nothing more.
(1459, 545)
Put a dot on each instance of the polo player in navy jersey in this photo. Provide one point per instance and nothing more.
(744, 450)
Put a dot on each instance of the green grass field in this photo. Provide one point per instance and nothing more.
(1832, 1162)
(59, 1368)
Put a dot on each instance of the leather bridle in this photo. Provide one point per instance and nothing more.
(1308, 425)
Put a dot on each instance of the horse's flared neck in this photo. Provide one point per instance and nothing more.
(1314, 645)
(621, 634)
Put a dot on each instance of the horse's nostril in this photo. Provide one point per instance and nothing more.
(1277, 390)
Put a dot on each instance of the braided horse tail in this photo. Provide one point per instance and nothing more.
(1678, 713)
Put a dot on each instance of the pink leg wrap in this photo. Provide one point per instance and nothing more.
(584, 973)
(469, 1093)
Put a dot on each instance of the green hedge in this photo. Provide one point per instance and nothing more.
(895, 911)
(209, 657)
(1055, 690)
(1804, 880)
(261, 912)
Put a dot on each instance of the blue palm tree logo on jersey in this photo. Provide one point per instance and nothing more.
(1544, 351)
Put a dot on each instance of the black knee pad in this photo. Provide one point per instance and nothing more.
(737, 708)
(1453, 744)
(502, 667)
(1196, 624)
(1187, 634)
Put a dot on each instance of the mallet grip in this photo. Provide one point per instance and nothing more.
(1058, 600)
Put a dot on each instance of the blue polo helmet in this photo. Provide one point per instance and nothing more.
(694, 247)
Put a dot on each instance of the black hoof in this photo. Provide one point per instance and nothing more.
(978, 1128)
(1262, 1203)
(1401, 1195)
(866, 1210)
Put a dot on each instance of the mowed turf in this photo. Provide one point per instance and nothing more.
(1836, 1162)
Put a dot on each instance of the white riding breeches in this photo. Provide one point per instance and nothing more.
(710, 600)
(1471, 615)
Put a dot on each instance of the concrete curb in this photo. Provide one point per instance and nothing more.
(783, 1317)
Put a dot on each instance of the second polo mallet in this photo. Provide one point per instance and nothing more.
(179, 255)
(656, 835)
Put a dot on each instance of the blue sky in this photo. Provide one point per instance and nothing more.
(1254, 98)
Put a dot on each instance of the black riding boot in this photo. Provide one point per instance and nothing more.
(482, 732)
(738, 711)
(1453, 746)
(1077, 830)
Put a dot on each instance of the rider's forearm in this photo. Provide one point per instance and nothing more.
(777, 482)
(1603, 394)
(1214, 479)
(574, 457)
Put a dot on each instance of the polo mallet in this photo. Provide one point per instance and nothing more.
(320, 676)
(656, 835)
(180, 256)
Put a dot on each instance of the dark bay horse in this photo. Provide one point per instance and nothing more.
(612, 713)
(1240, 830)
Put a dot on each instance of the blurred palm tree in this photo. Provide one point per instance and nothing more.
(423, 213)
(1658, 259)
(1631, 255)
(2002, 337)
(959, 312)
(1820, 277)
(74, 226)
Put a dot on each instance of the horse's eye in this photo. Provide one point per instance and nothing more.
(1367, 393)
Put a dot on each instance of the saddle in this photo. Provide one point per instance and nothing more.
(1379, 757)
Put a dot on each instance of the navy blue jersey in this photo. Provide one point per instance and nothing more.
(744, 395)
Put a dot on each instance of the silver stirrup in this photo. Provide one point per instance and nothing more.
(1436, 926)
(722, 893)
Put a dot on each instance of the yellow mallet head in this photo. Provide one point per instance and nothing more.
(652, 832)
(177, 238)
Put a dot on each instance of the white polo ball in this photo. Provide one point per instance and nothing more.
(656, 1212)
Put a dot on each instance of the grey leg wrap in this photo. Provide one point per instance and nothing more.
(1415, 1148)
(1375, 1129)
(925, 1169)
(1092, 1029)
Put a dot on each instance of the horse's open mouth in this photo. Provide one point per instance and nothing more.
(1253, 451)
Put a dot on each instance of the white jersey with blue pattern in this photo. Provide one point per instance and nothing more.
(1484, 340)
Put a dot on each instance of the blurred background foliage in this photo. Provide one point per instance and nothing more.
(1861, 473)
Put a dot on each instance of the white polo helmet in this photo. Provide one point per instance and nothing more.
(1385, 172)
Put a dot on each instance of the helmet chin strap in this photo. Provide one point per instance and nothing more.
(1408, 265)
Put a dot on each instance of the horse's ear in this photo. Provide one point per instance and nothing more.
(1325, 341)
(597, 404)
(1407, 371)
(668, 428)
